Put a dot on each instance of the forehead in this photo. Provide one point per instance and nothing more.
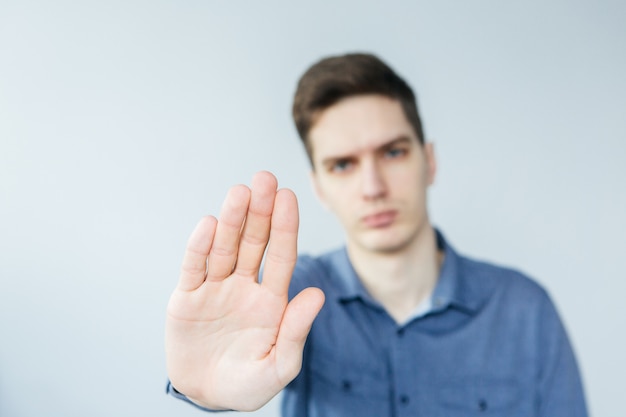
(358, 124)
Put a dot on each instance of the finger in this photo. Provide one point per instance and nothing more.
(256, 231)
(295, 327)
(282, 250)
(223, 252)
(193, 269)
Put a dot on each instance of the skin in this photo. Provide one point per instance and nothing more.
(367, 161)
(371, 171)
(234, 343)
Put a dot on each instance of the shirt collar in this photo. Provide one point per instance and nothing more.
(451, 288)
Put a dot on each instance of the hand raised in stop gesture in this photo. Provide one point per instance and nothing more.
(232, 342)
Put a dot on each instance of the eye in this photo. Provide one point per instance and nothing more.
(341, 165)
(395, 152)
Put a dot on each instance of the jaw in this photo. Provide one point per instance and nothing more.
(395, 239)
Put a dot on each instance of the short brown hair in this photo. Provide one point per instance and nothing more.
(337, 77)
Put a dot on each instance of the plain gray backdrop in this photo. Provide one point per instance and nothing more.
(123, 122)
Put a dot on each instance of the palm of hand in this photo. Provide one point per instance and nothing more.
(232, 342)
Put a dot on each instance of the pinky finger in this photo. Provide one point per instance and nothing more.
(193, 270)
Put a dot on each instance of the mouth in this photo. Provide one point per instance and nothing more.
(380, 220)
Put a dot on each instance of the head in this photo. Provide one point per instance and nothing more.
(370, 164)
(335, 78)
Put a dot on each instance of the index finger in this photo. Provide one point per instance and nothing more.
(193, 270)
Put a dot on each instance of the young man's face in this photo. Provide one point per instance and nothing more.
(371, 171)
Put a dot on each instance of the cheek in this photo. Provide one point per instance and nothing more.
(340, 205)
(409, 178)
(332, 197)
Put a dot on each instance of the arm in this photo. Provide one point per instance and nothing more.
(560, 385)
(231, 342)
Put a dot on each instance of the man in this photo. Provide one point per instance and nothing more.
(406, 325)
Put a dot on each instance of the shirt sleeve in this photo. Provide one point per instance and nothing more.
(560, 386)
(172, 391)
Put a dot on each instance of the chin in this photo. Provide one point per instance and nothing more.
(386, 241)
(385, 246)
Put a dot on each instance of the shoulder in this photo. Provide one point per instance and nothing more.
(499, 275)
(312, 265)
(316, 270)
(476, 282)
(503, 285)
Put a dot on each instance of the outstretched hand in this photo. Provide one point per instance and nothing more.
(232, 342)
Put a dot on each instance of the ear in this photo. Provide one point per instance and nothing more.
(317, 189)
(431, 162)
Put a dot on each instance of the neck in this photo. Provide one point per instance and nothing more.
(400, 280)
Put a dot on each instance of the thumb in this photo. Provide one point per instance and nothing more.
(294, 329)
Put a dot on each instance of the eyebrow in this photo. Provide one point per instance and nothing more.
(397, 141)
(390, 144)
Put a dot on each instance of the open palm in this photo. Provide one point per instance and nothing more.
(232, 342)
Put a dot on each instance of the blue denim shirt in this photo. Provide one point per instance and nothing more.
(491, 344)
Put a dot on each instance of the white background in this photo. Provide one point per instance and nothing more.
(123, 122)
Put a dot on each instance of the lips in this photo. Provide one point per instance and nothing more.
(381, 219)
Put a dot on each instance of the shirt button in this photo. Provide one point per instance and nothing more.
(482, 405)
(404, 399)
(400, 332)
(346, 385)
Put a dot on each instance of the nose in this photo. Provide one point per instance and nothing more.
(373, 184)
